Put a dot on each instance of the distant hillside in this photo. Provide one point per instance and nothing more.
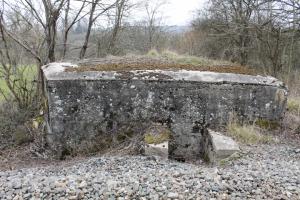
(177, 29)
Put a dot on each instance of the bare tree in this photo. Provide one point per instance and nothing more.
(153, 21)
(233, 20)
(94, 14)
(18, 85)
(122, 7)
(52, 14)
(41, 20)
(68, 24)
(252, 32)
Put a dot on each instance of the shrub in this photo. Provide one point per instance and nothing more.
(18, 86)
(169, 54)
(18, 103)
(153, 53)
(22, 135)
(14, 126)
(188, 60)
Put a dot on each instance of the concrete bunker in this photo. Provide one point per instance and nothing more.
(87, 105)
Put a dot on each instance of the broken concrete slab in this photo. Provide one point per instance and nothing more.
(161, 150)
(219, 146)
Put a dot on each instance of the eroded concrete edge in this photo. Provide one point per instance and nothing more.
(56, 71)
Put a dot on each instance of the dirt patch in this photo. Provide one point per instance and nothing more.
(18, 157)
(22, 157)
(148, 63)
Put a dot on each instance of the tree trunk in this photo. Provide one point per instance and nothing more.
(88, 33)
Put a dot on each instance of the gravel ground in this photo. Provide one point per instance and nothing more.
(262, 172)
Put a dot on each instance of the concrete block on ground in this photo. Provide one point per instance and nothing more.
(160, 150)
(219, 146)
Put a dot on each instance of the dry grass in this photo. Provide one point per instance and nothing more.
(248, 134)
(293, 105)
(153, 52)
(157, 139)
(267, 124)
(193, 60)
(165, 61)
(293, 82)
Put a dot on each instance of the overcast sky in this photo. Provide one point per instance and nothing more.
(180, 12)
(177, 12)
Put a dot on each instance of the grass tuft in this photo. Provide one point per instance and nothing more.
(169, 54)
(157, 139)
(153, 53)
(248, 134)
(293, 105)
(267, 124)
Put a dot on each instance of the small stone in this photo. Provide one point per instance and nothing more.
(73, 197)
(154, 196)
(82, 185)
(16, 185)
(17, 197)
(173, 195)
(26, 196)
(60, 185)
(111, 185)
(291, 188)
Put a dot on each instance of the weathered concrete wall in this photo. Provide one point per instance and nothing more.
(87, 107)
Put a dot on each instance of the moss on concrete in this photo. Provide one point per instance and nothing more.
(154, 62)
